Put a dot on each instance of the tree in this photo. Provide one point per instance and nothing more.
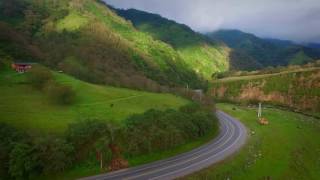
(54, 154)
(61, 94)
(11, 8)
(39, 77)
(8, 136)
(32, 21)
(23, 161)
(84, 134)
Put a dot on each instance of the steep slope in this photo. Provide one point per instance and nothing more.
(86, 39)
(201, 54)
(297, 89)
(263, 52)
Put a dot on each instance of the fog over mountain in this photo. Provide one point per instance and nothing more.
(296, 20)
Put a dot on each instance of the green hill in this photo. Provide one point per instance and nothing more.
(27, 108)
(251, 52)
(89, 41)
(200, 53)
(298, 89)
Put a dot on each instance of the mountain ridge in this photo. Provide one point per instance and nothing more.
(266, 52)
(204, 55)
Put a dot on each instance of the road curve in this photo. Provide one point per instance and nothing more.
(230, 139)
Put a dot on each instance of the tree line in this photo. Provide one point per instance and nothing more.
(24, 156)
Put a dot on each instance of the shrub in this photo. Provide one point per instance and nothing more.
(23, 161)
(54, 154)
(39, 76)
(61, 94)
(8, 137)
(190, 108)
(84, 134)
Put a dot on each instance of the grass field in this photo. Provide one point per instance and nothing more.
(289, 148)
(29, 109)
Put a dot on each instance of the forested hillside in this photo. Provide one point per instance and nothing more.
(199, 52)
(86, 39)
(251, 53)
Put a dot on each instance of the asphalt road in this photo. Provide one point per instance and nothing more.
(230, 139)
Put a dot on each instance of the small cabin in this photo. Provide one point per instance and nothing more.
(21, 67)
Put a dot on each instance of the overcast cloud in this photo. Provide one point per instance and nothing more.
(297, 20)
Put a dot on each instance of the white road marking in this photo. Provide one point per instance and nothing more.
(231, 125)
(229, 147)
(173, 160)
(188, 160)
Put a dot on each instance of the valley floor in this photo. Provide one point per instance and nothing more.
(288, 148)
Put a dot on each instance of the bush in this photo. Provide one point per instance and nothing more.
(23, 161)
(61, 94)
(39, 76)
(84, 134)
(45, 155)
(54, 154)
(8, 137)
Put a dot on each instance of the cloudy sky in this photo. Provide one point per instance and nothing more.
(297, 20)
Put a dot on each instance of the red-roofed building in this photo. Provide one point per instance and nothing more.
(21, 67)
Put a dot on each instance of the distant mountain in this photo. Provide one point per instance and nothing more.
(260, 53)
(280, 43)
(314, 45)
(203, 55)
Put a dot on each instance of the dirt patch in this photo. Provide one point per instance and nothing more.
(117, 161)
(219, 92)
(254, 92)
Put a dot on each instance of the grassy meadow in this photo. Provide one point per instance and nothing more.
(30, 109)
(288, 148)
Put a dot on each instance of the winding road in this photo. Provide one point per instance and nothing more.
(232, 136)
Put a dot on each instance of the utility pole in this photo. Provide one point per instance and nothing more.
(101, 161)
(260, 111)
(187, 88)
